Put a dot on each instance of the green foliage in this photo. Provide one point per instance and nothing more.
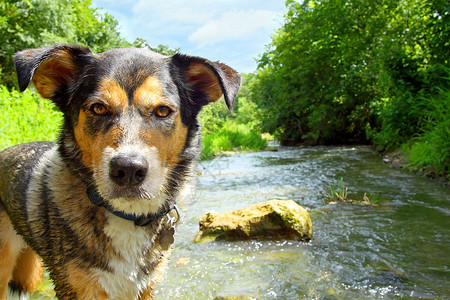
(26, 117)
(410, 107)
(318, 71)
(163, 49)
(231, 136)
(36, 23)
(333, 63)
(246, 110)
(337, 192)
(213, 117)
(223, 131)
(430, 150)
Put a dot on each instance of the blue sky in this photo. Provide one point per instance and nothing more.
(231, 31)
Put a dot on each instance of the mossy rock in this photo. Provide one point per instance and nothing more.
(272, 220)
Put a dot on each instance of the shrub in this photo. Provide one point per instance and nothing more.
(26, 117)
(231, 136)
(431, 149)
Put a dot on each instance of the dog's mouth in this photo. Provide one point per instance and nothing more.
(140, 210)
(145, 198)
(132, 193)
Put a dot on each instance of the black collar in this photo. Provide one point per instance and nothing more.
(142, 220)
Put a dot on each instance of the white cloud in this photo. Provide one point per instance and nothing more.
(175, 11)
(234, 25)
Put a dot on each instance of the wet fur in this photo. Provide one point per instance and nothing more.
(46, 217)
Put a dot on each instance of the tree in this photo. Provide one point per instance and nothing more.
(163, 49)
(334, 68)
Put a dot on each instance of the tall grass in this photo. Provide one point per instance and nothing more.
(26, 117)
(225, 131)
(417, 120)
(231, 136)
(430, 150)
(337, 192)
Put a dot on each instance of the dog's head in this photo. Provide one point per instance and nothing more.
(129, 116)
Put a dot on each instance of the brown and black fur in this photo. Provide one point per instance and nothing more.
(46, 216)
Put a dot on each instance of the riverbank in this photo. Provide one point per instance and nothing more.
(398, 159)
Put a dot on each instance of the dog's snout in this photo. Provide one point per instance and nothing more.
(128, 170)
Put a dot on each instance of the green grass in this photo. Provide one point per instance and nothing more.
(430, 151)
(338, 192)
(26, 117)
(231, 137)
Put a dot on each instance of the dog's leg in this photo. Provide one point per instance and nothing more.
(27, 274)
(10, 247)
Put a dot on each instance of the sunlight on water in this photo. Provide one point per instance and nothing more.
(394, 250)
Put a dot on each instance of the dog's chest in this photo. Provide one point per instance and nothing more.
(134, 261)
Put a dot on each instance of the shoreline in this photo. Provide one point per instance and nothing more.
(398, 160)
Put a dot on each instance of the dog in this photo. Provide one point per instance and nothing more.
(98, 207)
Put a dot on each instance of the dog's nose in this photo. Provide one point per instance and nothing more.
(128, 170)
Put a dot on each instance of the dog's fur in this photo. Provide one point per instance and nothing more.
(131, 104)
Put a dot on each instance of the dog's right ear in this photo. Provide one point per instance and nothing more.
(52, 70)
(208, 81)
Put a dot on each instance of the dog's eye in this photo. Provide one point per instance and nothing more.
(162, 111)
(99, 109)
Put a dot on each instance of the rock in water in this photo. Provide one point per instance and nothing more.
(272, 220)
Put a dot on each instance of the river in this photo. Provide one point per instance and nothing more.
(398, 249)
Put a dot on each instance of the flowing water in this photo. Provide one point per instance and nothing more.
(398, 249)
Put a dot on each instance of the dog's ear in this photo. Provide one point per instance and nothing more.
(208, 80)
(51, 69)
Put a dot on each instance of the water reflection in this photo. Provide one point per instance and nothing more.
(394, 250)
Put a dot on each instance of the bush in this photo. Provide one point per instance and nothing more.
(26, 117)
(430, 150)
(240, 130)
(231, 136)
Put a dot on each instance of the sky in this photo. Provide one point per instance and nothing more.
(234, 32)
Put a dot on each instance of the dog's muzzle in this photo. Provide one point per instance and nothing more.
(128, 170)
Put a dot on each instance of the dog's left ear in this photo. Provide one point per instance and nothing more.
(52, 70)
(208, 81)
